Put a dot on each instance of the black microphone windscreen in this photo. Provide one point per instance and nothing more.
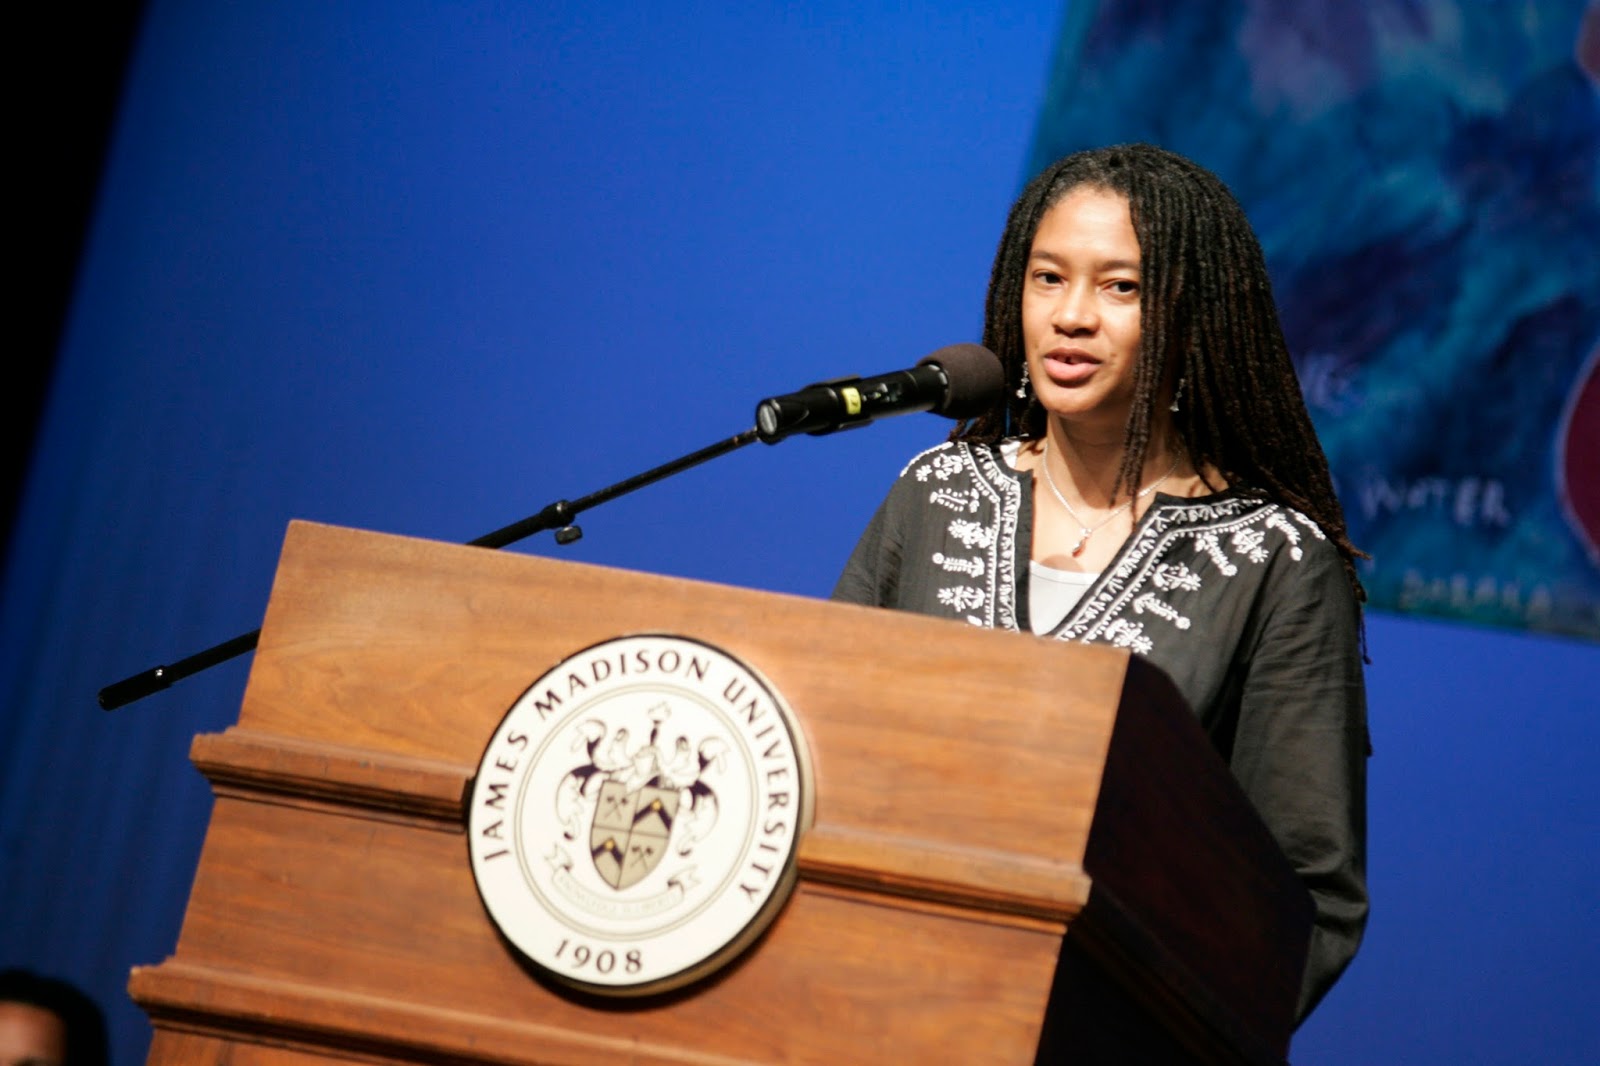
(975, 379)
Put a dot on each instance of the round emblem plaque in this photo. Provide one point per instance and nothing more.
(634, 820)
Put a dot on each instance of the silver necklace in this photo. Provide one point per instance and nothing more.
(1086, 531)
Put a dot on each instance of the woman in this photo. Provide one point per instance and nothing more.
(1152, 481)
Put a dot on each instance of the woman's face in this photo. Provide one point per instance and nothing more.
(30, 1034)
(1080, 310)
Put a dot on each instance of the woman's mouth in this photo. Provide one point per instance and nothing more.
(1070, 366)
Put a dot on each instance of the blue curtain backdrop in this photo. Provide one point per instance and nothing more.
(423, 268)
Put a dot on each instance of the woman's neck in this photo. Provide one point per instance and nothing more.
(1091, 462)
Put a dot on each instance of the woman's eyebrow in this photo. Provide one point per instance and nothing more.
(1107, 264)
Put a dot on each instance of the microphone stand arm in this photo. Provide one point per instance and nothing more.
(557, 516)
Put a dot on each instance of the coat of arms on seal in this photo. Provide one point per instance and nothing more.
(634, 819)
(637, 800)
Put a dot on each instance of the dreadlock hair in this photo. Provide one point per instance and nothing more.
(1207, 321)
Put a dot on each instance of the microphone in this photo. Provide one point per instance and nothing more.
(958, 381)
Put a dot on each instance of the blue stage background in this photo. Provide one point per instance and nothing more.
(423, 268)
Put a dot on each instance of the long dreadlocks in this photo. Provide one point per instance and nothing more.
(1208, 326)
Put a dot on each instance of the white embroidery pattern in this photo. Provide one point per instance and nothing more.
(1175, 576)
(1125, 567)
(988, 503)
(1191, 513)
(1251, 543)
(1304, 520)
(921, 475)
(1160, 608)
(1003, 488)
(972, 534)
(1207, 542)
(1125, 634)
(961, 597)
(952, 565)
(1240, 522)
(1275, 520)
(958, 501)
(986, 496)
(946, 465)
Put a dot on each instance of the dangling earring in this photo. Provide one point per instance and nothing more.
(1022, 389)
(1177, 395)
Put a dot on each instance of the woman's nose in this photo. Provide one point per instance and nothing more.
(1075, 310)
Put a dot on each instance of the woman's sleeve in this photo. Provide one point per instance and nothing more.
(872, 575)
(1300, 750)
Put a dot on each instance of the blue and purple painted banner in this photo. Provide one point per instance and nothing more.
(1422, 174)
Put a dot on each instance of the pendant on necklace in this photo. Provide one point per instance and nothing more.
(1082, 540)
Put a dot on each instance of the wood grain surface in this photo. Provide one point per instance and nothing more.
(958, 775)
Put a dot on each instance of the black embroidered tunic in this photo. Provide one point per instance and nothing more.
(1243, 602)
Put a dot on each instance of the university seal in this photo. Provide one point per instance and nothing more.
(634, 820)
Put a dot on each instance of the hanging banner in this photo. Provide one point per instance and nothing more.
(1422, 175)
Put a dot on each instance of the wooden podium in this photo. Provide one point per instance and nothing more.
(1022, 850)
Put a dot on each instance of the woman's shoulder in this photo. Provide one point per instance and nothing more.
(959, 456)
(1239, 520)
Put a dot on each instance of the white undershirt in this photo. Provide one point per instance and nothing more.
(1052, 593)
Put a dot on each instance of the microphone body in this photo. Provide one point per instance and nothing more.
(958, 381)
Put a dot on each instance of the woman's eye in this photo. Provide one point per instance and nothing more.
(1124, 287)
